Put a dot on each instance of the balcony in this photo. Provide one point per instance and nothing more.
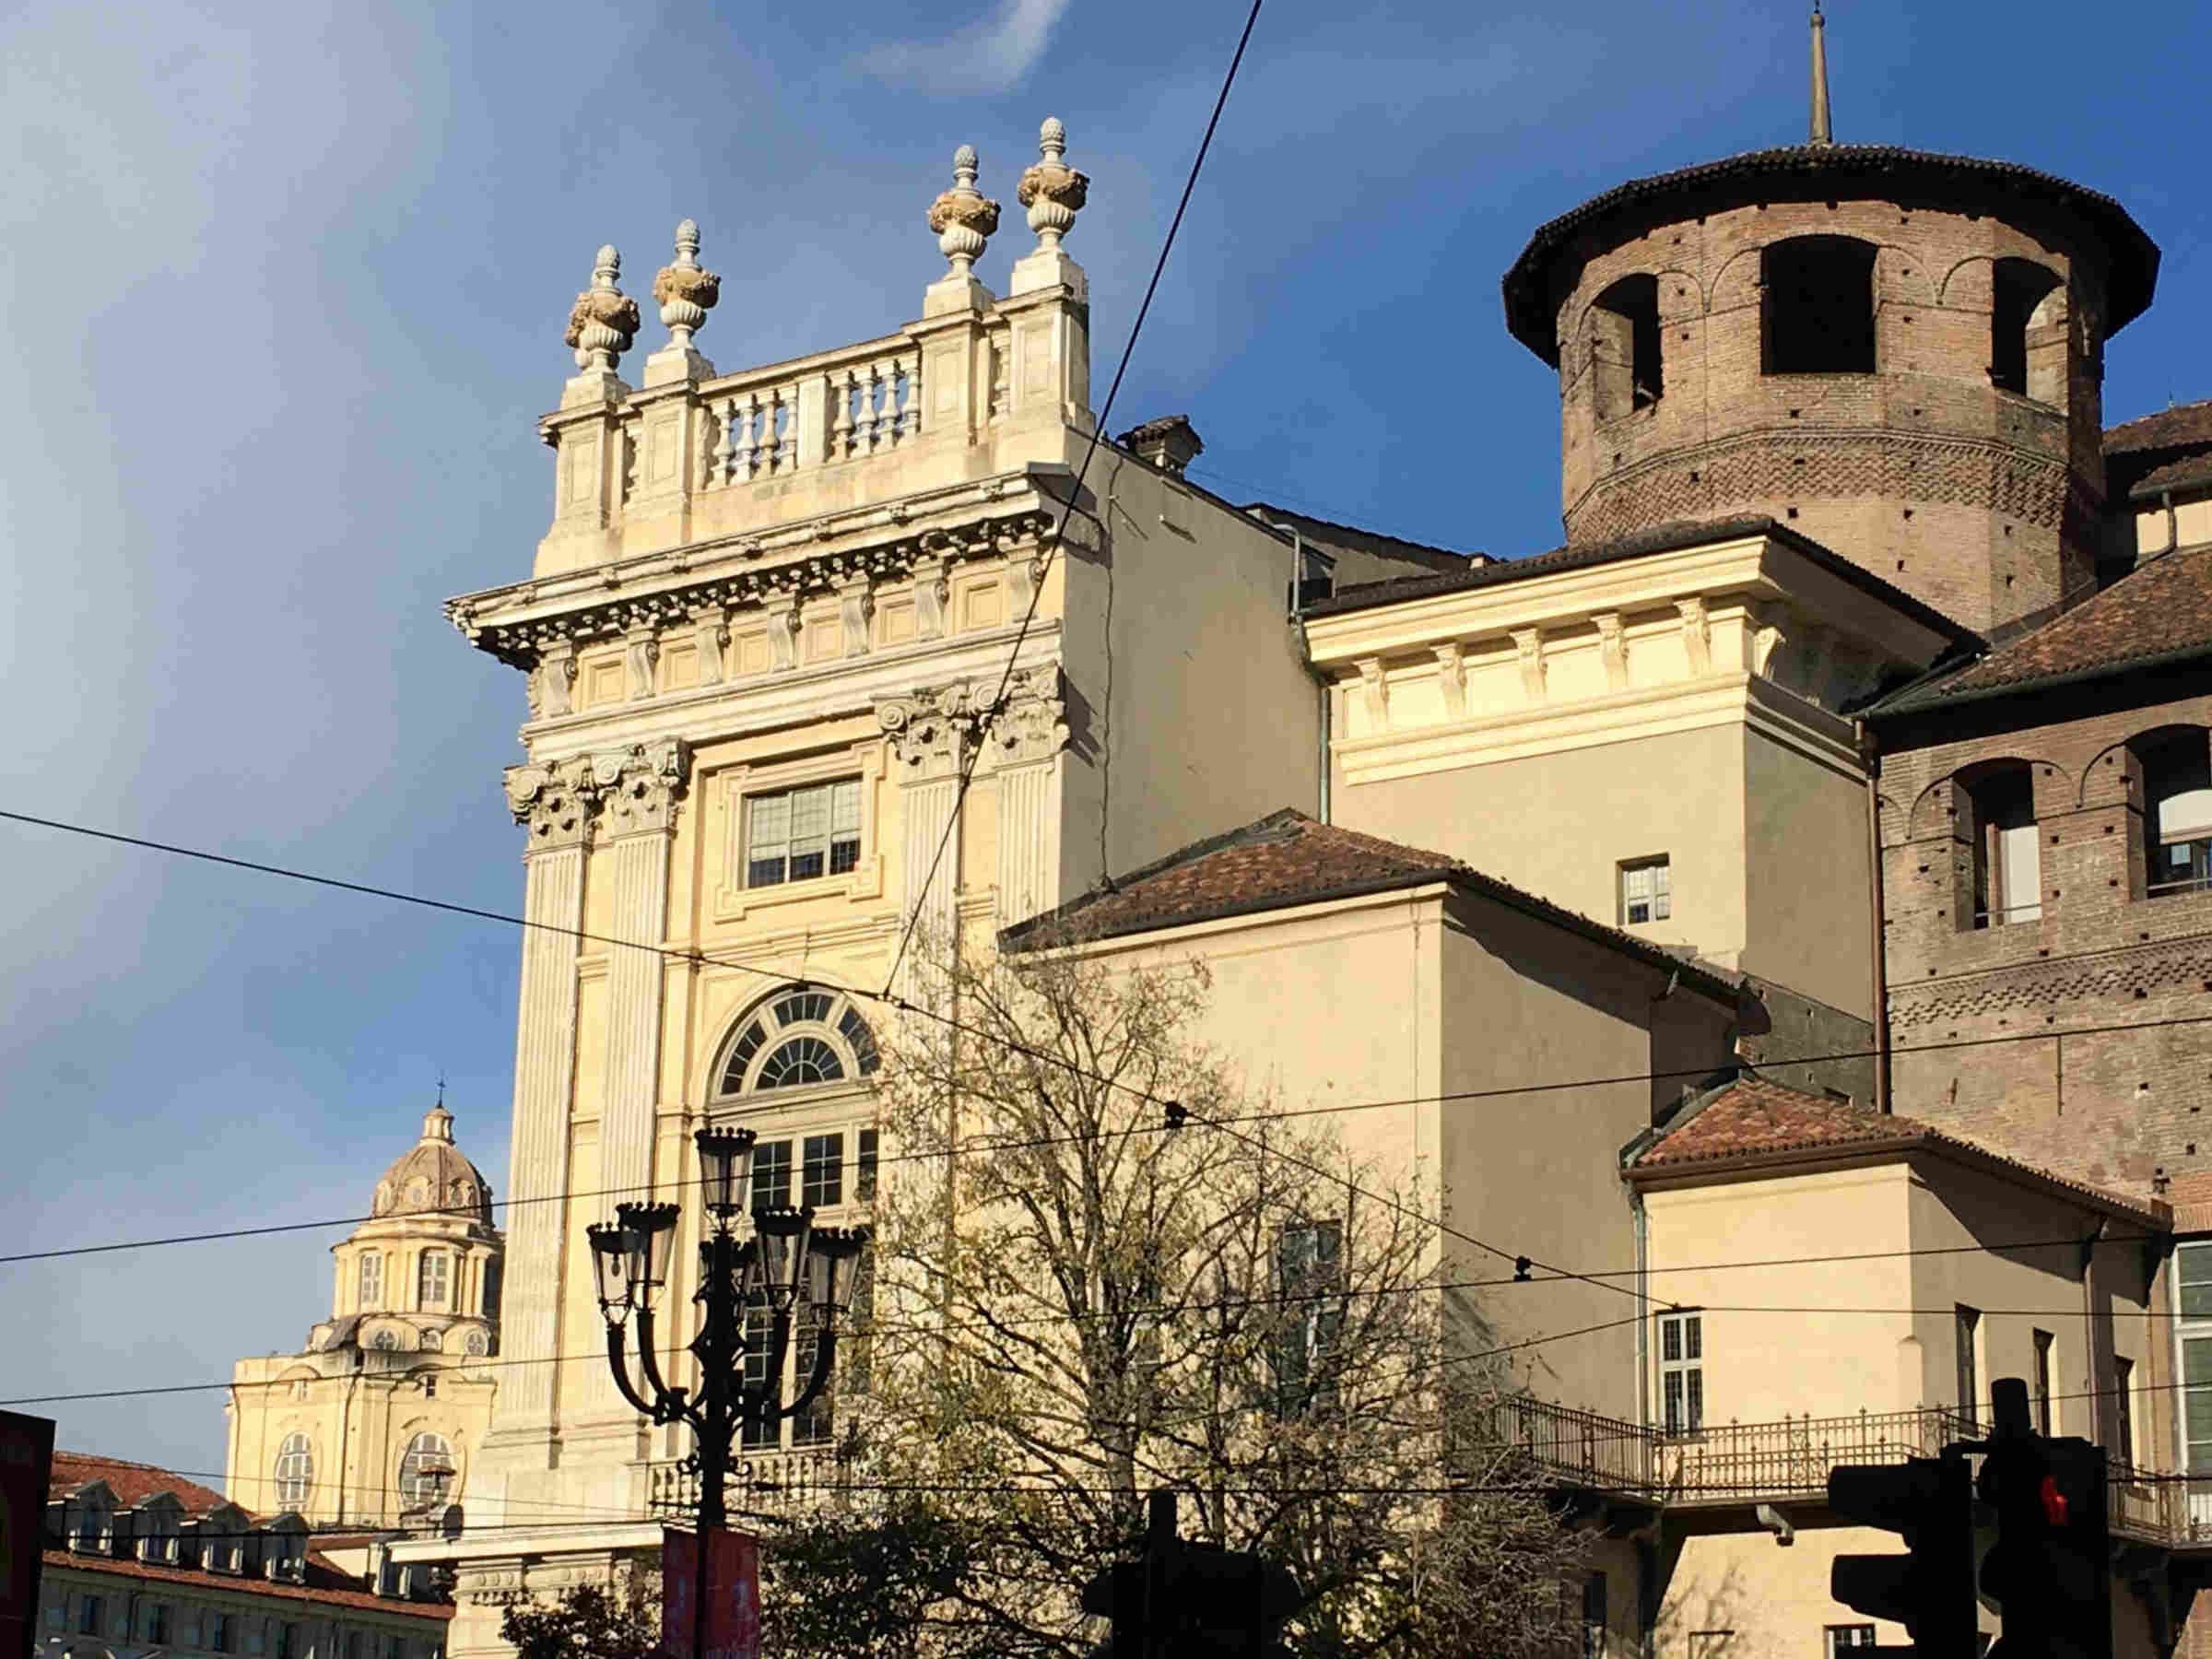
(760, 1483)
(1731, 1466)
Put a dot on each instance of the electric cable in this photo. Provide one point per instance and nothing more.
(1098, 432)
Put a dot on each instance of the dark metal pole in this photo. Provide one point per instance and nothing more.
(714, 1422)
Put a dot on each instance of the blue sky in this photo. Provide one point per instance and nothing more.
(283, 295)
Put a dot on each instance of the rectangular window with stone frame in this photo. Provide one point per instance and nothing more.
(431, 1284)
(802, 835)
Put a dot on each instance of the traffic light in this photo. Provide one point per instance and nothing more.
(2050, 1571)
(1929, 1590)
(1190, 1601)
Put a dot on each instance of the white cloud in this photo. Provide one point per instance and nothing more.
(990, 57)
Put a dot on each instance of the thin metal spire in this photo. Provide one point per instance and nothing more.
(1823, 133)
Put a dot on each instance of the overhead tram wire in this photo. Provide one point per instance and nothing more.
(1098, 432)
(903, 1004)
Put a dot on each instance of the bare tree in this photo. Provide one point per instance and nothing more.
(1107, 1267)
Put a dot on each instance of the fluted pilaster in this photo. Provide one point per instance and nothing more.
(1027, 739)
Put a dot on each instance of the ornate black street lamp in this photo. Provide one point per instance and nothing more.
(751, 1289)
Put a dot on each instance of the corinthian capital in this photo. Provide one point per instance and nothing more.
(1029, 727)
(554, 802)
(930, 731)
(639, 786)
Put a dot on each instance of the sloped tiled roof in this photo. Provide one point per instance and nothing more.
(1753, 1118)
(133, 1483)
(2185, 426)
(2159, 612)
(1287, 858)
(327, 1585)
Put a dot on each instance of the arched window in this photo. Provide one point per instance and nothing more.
(1816, 297)
(1996, 810)
(426, 1468)
(295, 1472)
(430, 1342)
(385, 1340)
(799, 1037)
(372, 1280)
(1624, 348)
(2019, 288)
(2176, 764)
(478, 1343)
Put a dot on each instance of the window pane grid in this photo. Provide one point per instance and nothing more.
(802, 834)
(1681, 1372)
(772, 1174)
(822, 1182)
(1646, 891)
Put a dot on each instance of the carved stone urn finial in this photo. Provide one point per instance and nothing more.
(604, 319)
(963, 217)
(1052, 191)
(686, 292)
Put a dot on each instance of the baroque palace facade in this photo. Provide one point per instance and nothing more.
(1840, 783)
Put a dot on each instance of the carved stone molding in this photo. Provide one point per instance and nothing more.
(932, 589)
(1375, 691)
(856, 606)
(613, 608)
(1029, 727)
(639, 786)
(1528, 650)
(930, 731)
(1452, 677)
(1697, 634)
(553, 804)
(641, 653)
(712, 636)
(1612, 650)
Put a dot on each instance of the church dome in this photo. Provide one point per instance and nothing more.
(434, 1177)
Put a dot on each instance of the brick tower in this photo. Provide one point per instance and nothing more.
(1899, 353)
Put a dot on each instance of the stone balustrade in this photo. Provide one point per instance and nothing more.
(979, 384)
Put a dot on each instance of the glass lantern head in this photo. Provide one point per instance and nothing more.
(830, 1268)
(780, 1235)
(652, 1231)
(610, 1257)
(725, 1163)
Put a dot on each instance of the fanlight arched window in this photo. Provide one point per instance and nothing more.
(426, 1468)
(798, 1037)
(295, 1472)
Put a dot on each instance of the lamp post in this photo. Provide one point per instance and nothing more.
(746, 1287)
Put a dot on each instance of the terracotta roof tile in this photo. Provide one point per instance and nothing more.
(1754, 1117)
(2162, 609)
(133, 1483)
(346, 1595)
(1287, 858)
(2185, 426)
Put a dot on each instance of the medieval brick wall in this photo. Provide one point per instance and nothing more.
(2080, 1040)
(1986, 505)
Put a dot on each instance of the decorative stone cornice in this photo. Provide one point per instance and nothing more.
(930, 730)
(601, 609)
(1029, 725)
(553, 804)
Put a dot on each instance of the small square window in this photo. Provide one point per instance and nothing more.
(1646, 891)
(1847, 1639)
(802, 835)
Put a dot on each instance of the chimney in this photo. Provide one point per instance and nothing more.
(1170, 444)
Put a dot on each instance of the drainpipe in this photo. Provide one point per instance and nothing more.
(1644, 1301)
(1870, 757)
(1305, 651)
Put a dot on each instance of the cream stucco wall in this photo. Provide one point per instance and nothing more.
(1830, 1339)
(1410, 998)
